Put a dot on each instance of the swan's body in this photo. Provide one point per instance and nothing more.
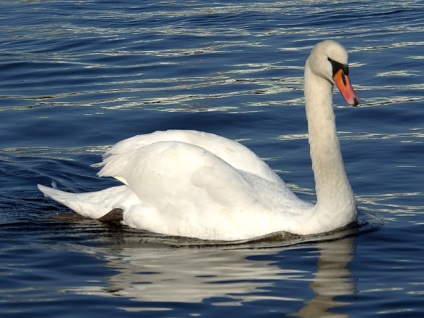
(195, 184)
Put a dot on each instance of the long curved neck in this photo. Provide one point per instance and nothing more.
(335, 198)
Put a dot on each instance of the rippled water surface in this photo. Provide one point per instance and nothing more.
(77, 76)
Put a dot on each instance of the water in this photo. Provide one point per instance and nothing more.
(77, 76)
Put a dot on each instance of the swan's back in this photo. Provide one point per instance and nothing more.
(234, 153)
(193, 192)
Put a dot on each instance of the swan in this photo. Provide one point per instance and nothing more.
(200, 185)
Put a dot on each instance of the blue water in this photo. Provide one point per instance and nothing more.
(78, 76)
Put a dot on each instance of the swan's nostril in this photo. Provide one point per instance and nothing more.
(344, 79)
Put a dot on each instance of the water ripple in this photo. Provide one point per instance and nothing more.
(78, 76)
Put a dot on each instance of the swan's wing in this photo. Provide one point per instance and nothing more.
(191, 191)
(174, 170)
(232, 152)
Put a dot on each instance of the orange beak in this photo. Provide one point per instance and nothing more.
(343, 84)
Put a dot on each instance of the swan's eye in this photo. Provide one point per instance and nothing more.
(337, 66)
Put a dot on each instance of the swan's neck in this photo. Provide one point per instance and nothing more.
(335, 199)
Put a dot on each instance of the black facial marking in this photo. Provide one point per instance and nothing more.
(337, 66)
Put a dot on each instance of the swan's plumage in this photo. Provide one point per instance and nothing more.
(197, 184)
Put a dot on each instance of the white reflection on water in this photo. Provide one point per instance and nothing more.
(228, 277)
(414, 136)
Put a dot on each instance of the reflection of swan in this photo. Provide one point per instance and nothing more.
(332, 279)
(200, 185)
(161, 279)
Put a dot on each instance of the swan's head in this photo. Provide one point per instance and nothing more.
(329, 60)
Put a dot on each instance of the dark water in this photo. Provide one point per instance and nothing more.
(77, 76)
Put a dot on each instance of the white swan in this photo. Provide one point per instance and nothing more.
(196, 184)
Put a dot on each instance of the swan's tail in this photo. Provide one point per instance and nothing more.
(91, 204)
